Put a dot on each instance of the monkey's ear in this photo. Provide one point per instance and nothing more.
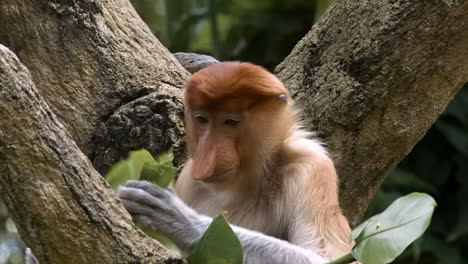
(283, 98)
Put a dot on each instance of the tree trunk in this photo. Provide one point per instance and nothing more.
(91, 61)
(61, 205)
(371, 76)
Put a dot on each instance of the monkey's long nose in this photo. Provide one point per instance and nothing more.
(204, 160)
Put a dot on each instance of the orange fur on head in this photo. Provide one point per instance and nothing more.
(233, 85)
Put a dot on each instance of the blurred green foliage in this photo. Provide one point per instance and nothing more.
(261, 31)
(264, 32)
(11, 247)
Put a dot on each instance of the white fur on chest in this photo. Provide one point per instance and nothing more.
(255, 213)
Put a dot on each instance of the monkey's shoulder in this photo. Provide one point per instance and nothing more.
(304, 158)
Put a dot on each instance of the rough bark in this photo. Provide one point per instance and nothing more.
(55, 196)
(194, 62)
(371, 78)
(89, 59)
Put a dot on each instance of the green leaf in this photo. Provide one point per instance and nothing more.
(219, 245)
(161, 172)
(141, 165)
(383, 237)
(343, 260)
(129, 169)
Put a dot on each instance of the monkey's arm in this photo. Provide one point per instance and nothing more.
(166, 214)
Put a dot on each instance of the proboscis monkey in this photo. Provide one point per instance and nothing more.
(250, 157)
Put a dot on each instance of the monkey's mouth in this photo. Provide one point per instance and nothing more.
(217, 177)
(210, 179)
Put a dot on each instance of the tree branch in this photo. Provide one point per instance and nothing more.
(65, 211)
(371, 78)
(88, 60)
(194, 62)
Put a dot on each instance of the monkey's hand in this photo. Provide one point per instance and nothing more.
(162, 211)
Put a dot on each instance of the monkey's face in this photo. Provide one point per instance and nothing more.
(225, 141)
(213, 138)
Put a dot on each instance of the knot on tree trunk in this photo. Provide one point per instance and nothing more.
(151, 122)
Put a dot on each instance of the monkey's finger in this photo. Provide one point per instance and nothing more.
(149, 187)
(149, 222)
(136, 208)
(141, 197)
(138, 184)
(143, 219)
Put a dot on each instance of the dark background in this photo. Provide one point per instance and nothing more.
(264, 32)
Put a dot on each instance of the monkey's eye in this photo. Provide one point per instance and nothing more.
(231, 122)
(201, 119)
